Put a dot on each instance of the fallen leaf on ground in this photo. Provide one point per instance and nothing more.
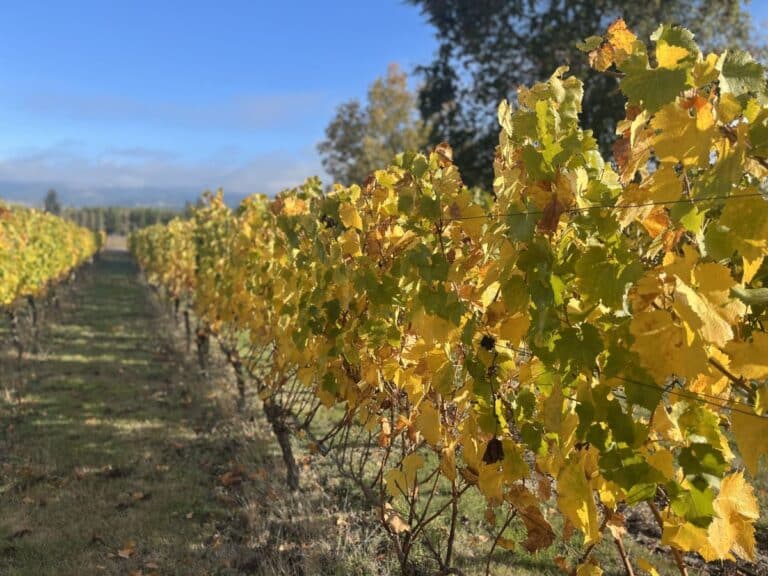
(127, 551)
(233, 476)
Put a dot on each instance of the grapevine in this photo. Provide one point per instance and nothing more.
(581, 341)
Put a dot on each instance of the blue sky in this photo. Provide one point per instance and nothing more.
(152, 102)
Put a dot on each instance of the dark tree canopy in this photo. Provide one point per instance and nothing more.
(51, 202)
(343, 145)
(361, 139)
(118, 219)
(487, 48)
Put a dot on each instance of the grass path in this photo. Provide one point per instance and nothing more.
(109, 460)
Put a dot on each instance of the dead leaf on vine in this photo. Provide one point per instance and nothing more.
(469, 475)
(656, 222)
(616, 526)
(544, 488)
(394, 521)
(551, 216)
(385, 433)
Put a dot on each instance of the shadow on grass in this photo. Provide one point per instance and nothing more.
(109, 457)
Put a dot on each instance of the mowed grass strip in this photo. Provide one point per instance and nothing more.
(108, 464)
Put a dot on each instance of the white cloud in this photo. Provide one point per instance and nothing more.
(147, 176)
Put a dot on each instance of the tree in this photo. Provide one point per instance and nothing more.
(360, 140)
(487, 48)
(51, 203)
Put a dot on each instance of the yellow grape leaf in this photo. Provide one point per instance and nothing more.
(761, 400)
(705, 71)
(728, 107)
(491, 482)
(412, 383)
(552, 409)
(665, 426)
(471, 444)
(751, 434)
(431, 328)
(396, 483)
(733, 530)
(701, 315)
(643, 564)
(683, 535)
(401, 481)
(448, 461)
(617, 47)
(428, 423)
(472, 216)
(682, 138)
(715, 283)
(294, 206)
(663, 461)
(681, 266)
(663, 346)
(589, 569)
(490, 294)
(622, 39)
(411, 464)
(514, 327)
(350, 243)
(576, 501)
(513, 465)
(668, 55)
(609, 492)
(350, 217)
(750, 359)
(751, 263)
(748, 234)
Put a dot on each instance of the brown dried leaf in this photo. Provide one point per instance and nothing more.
(127, 551)
(393, 520)
(551, 216)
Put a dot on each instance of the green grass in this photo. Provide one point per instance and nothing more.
(103, 450)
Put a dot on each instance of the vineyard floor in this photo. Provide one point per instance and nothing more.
(118, 457)
(110, 457)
